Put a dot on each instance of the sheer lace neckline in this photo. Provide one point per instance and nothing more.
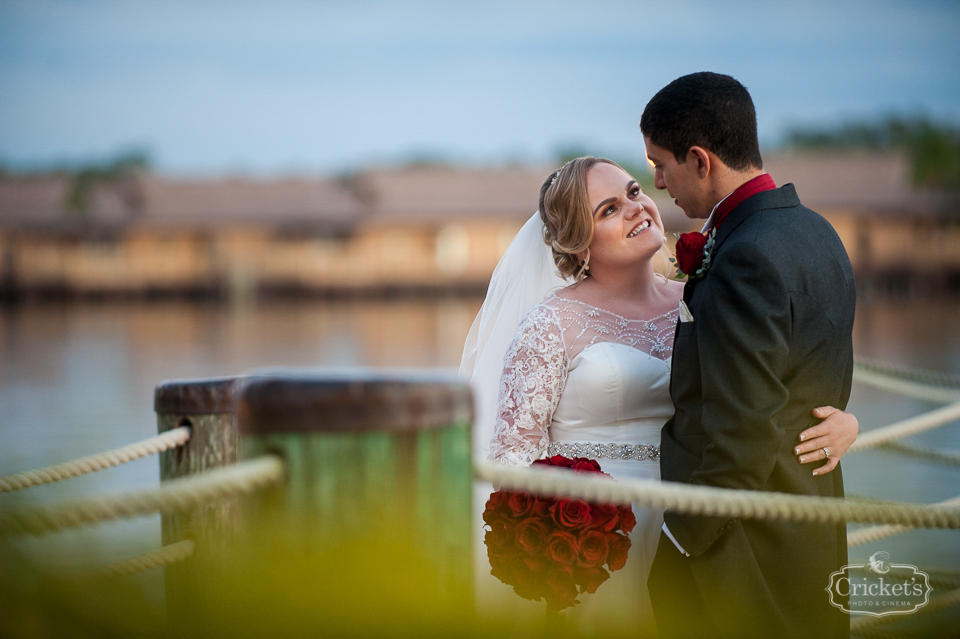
(666, 315)
(582, 325)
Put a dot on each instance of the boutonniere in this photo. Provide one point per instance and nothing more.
(693, 253)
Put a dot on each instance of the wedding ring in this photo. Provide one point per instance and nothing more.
(826, 453)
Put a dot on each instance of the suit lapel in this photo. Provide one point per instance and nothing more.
(784, 197)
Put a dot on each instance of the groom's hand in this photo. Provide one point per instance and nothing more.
(836, 433)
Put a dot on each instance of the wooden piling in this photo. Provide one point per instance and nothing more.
(207, 407)
(374, 520)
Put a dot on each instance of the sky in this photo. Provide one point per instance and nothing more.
(287, 87)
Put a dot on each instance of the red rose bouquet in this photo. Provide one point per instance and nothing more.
(555, 549)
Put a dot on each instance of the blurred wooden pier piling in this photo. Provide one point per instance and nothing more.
(207, 407)
(378, 489)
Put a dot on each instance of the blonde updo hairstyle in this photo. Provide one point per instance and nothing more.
(567, 218)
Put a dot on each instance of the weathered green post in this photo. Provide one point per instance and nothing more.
(207, 407)
(371, 532)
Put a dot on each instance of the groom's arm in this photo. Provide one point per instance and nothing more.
(742, 328)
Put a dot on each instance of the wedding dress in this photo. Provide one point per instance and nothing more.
(576, 373)
(581, 381)
(574, 380)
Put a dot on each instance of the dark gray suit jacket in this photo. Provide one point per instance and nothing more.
(771, 340)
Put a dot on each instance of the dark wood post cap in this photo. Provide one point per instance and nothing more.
(351, 400)
(208, 396)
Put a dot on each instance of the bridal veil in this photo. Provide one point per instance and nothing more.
(523, 278)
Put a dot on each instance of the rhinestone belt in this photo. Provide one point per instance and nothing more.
(591, 450)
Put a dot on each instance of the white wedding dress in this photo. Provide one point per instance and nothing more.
(574, 380)
(581, 381)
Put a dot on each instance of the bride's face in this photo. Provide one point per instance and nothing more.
(627, 229)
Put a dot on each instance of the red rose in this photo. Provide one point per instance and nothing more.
(521, 504)
(586, 465)
(556, 573)
(500, 536)
(690, 252)
(619, 548)
(562, 588)
(537, 565)
(591, 578)
(531, 534)
(542, 509)
(494, 514)
(604, 517)
(571, 513)
(556, 460)
(627, 519)
(498, 500)
(528, 584)
(561, 461)
(593, 548)
(502, 569)
(562, 548)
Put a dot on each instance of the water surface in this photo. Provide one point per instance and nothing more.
(78, 378)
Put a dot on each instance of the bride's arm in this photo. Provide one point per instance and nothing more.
(836, 433)
(534, 375)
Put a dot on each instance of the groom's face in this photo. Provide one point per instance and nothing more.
(681, 180)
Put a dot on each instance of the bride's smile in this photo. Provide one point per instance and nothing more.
(639, 228)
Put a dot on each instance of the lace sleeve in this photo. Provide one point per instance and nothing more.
(534, 374)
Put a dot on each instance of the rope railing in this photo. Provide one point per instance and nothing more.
(904, 387)
(167, 555)
(175, 495)
(716, 502)
(944, 573)
(93, 463)
(939, 602)
(951, 457)
(920, 375)
(944, 579)
(910, 426)
(875, 533)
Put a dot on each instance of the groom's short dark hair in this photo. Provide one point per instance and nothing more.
(710, 110)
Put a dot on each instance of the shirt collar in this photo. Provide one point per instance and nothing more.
(748, 189)
(709, 223)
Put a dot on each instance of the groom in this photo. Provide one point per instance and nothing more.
(765, 335)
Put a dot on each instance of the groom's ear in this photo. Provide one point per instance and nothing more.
(700, 159)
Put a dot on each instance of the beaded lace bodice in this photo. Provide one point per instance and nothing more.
(552, 339)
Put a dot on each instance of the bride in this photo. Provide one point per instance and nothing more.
(587, 373)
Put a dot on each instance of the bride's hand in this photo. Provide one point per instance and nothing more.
(835, 433)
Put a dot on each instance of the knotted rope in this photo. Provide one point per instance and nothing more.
(940, 602)
(93, 463)
(178, 494)
(170, 554)
(716, 502)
